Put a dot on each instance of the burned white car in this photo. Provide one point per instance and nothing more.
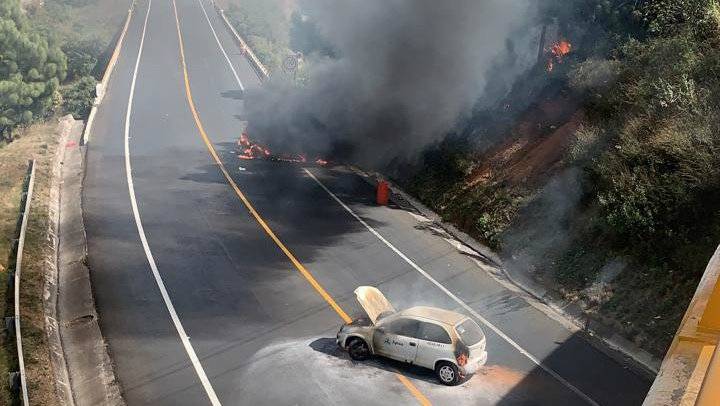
(449, 343)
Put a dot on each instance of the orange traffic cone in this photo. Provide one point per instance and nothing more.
(383, 193)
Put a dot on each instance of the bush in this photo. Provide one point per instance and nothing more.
(82, 57)
(78, 97)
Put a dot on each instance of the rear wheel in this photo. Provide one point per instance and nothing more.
(358, 349)
(447, 373)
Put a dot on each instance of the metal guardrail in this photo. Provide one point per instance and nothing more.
(18, 253)
(262, 72)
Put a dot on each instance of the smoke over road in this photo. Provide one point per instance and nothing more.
(407, 72)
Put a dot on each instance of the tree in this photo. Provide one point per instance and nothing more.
(31, 70)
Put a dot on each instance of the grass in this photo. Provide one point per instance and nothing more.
(38, 142)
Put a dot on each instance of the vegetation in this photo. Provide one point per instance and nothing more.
(51, 54)
(39, 142)
(645, 76)
(264, 25)
(31, 69)
(274, 30)
(79, 96)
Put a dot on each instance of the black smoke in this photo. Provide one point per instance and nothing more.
(406, 72)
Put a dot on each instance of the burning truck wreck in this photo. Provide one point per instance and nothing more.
(449, 343)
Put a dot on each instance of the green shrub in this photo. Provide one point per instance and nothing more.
(82, 57)
(78, 97)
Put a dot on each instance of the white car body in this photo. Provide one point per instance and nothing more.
(426, 336)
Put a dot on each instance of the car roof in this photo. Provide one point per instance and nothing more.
(433, 313)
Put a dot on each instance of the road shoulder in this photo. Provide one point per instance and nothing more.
(567, 313)
(91, 376)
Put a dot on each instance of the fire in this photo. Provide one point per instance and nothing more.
(250, 150)
(557, 51)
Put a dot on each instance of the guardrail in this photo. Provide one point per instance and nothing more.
(262, 72)
(14, 278)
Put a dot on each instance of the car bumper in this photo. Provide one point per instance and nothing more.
(474, 364)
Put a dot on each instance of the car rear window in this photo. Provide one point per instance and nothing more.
(469, 332)
(434, 333)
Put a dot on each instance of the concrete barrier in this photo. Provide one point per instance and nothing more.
(686, 372)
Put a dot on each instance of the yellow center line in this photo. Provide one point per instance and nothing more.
(299, 266)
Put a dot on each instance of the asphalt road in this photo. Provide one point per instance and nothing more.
(257, 331)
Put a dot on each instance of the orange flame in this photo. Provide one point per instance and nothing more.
(557, 51)
(250, 150)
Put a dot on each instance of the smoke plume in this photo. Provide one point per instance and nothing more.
(407, 73)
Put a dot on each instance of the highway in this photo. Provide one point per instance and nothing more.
(222, 281)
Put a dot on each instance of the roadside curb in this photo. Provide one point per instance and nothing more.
(89, 368)
(101, 88)
(50, 289)
(602, 337)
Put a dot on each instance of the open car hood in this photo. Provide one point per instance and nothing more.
(373, 302)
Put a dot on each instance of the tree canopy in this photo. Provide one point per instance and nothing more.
(31, 69)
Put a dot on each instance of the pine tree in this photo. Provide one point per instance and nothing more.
(31, 70)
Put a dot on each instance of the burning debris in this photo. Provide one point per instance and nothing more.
(557, 52)
(250, 150)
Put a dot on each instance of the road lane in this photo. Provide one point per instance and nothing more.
(149, 359)
(208, 86)
(260, 330)
(556, 334)
(233, 290)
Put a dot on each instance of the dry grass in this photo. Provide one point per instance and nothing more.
(38, 142)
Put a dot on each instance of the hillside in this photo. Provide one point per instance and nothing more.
(598, 173)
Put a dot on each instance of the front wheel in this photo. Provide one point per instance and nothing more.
(447, 373)
(358, 349)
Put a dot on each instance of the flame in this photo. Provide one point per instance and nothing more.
(557, 51)
(250, 150)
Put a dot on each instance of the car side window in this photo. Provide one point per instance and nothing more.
(404, 327)
(433, 332)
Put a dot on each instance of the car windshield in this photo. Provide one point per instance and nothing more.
(469, 332)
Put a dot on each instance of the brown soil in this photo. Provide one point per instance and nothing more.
(537, 147)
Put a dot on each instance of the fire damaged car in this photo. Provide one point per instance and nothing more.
(449, 343)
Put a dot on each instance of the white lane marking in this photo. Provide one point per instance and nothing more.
(232, 68)
(141, 231)
(453, 297)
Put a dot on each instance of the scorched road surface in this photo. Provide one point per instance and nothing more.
(199, 305)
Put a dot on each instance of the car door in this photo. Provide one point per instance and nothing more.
(433, 343)
(396, 339)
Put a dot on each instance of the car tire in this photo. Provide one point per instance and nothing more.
(358, 349)
(447, 373)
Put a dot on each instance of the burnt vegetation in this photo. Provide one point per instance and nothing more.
(602, 177)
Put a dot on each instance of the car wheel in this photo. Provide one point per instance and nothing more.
(447, 373)
(358, 349)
